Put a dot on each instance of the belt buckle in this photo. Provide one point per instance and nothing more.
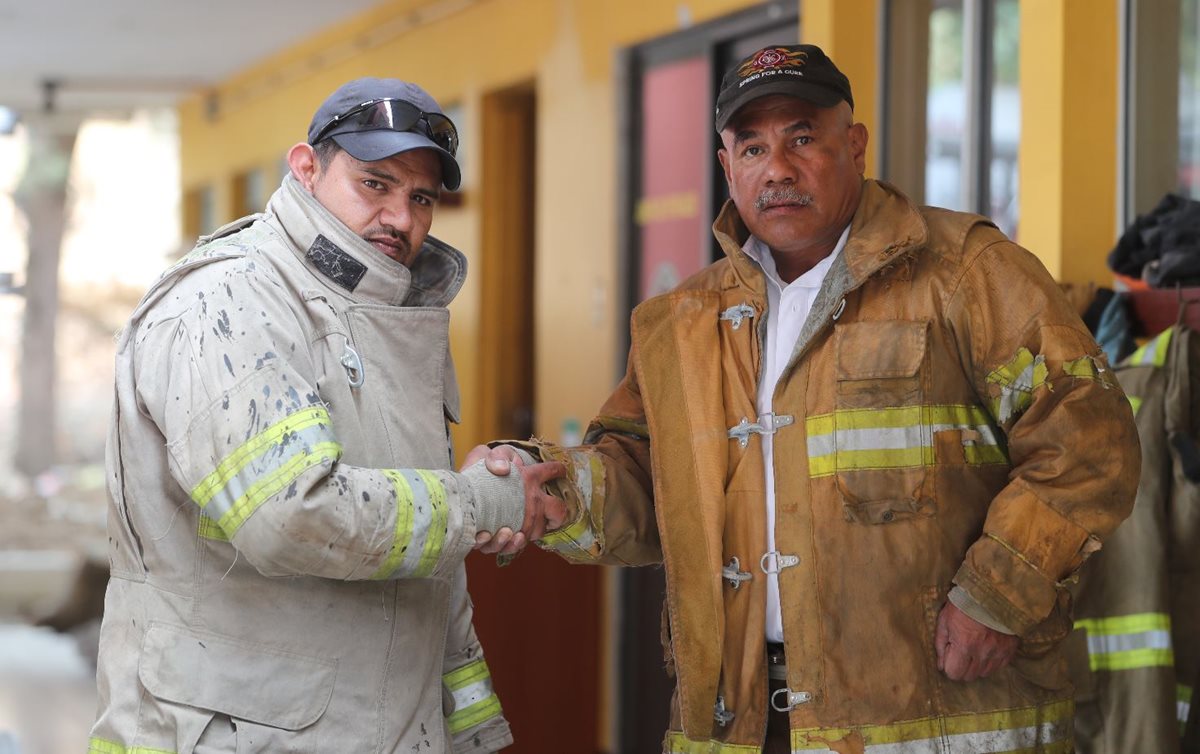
(776, 663)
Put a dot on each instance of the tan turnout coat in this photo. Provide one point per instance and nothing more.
(945, 418)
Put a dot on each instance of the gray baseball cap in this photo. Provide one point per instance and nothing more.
(373, 119)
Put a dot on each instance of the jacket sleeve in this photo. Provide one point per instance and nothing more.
(608, 486)
(472, 709)
(234, 391)
(1071, 439)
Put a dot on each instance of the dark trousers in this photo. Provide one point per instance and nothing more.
(779, 740)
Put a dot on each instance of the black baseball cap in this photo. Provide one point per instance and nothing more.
(803, 71)
(373, 119)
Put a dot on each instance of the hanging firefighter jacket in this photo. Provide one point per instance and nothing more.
(1135, 651)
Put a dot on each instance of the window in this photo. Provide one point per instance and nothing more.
(951, 83)
(1161, 77)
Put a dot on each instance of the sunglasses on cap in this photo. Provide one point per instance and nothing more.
(396, 115)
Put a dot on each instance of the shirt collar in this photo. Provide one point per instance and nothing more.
(758, 251)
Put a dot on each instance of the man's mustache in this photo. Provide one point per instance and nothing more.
(784, 195)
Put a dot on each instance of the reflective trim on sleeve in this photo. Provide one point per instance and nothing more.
(435, 521)
(101, 746)
(1017, 380)
(265, 465)
(1153, 353)
(209, 529)
(1126, 642)
(1045, 729)
(1183, 705)
(422, 516)
(402, 535)
(893, 438)
(475, 702)
(577, 541)
(291, 429)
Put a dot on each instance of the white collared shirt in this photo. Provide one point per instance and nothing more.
(788, 305)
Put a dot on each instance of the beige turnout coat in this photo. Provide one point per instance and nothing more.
(944, 419)
(286, 539)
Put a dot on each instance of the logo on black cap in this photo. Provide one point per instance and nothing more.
(771, 59)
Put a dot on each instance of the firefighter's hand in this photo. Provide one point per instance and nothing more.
(543, 511)
(967, 649)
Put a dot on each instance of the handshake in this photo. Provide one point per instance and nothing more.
(543, 512)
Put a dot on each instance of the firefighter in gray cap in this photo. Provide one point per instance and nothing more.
(287, 537)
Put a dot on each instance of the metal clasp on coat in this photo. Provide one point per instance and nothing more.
(774, 562)
(720, 714)
(733, 574)
(735, 314)
(841, 308)
(792, 699)
(767, 424)
(353, 366)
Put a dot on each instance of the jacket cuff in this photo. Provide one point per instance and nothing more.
(963, 600)
(499, 500)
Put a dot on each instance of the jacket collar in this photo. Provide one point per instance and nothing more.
(349, 265)
(885, 227)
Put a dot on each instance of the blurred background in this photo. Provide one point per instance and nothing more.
(129, 128)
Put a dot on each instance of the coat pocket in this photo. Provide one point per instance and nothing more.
(273, 690)
(882, 434)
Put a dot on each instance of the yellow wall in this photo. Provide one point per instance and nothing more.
(465, 49)
(1068, 154)
(848, 32)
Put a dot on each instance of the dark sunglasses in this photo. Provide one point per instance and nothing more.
(396, 115)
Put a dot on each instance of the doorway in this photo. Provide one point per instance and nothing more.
(538, 618)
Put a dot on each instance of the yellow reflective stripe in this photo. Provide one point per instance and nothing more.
(1017, 380)
(862, 460)
(265, 488)
(402, 535)
(209, 529)
(248, 451)
(1183, 693)
(1024, 372)
(1153, 353)
(1135, 402)
(467, 674)
(898, 437)
(1125, 624)
(1041, 729)
(677, 743)
(1132, 659)
(471, 688)
(461, 720)
(1127, 642)
(101, 746)
(579, 541)
(436, 534)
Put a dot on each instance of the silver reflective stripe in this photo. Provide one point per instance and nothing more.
(984, 742)
(1182, 710)
(422, 516)
(274, 458)
(892, 438)
(472, 694)
(1103, 644)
